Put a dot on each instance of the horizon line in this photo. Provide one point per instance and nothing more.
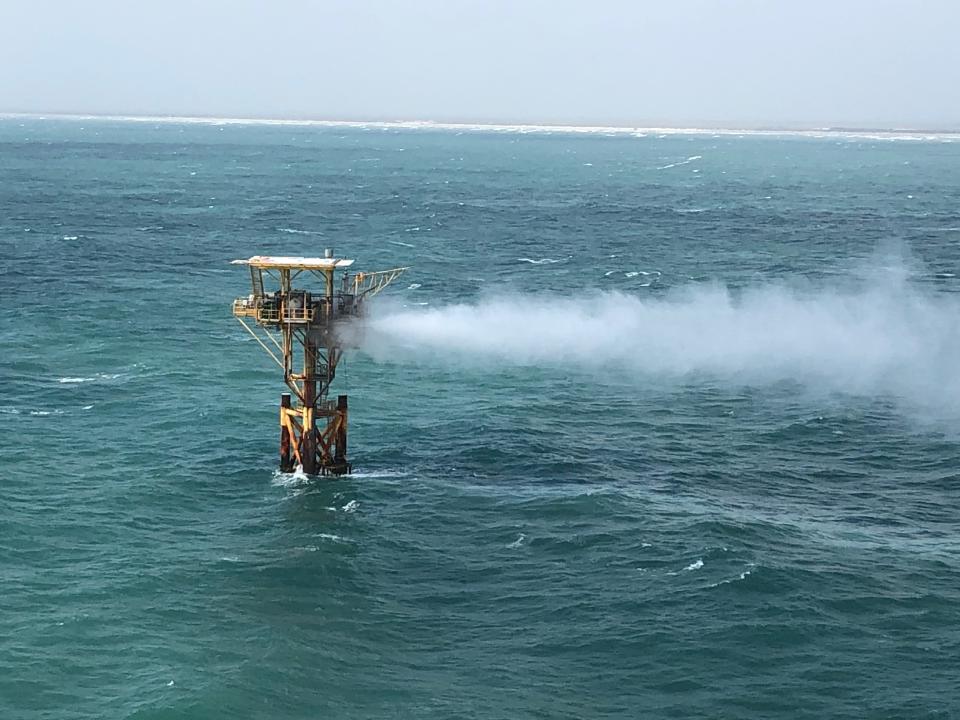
(519, 127)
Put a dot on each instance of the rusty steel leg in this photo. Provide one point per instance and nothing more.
(308, 451)
(286, 459)
(308, 444)
(340, 452)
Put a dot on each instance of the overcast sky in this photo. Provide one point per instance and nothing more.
(673, 62)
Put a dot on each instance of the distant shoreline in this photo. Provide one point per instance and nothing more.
(519, 128)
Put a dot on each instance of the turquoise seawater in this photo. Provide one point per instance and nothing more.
(661, 426)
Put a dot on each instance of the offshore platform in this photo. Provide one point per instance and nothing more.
(306, 322)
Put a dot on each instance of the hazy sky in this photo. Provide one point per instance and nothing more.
(671, 62)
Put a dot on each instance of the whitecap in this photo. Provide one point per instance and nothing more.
(427, 125)
(413, 286)
(541, 261)
(741, 576)
(402, 244)
(297, 478)
(350, 506)
(631, 274)
(71, 237)
(91, 378)
(87, 407)
(295, 231)
(695, 565)
(692, 158)
(9, 410)
(518, 542)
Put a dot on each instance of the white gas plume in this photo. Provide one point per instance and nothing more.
(882, 335)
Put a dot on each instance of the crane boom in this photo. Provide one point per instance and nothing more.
(368, 284)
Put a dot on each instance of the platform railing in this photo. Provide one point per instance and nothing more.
(299, 314)
(319, 310)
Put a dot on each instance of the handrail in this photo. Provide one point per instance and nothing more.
(296, 314)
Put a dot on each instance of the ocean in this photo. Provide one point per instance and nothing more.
(658, 425)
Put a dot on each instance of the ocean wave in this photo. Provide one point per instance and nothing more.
(90, 378)
(295, 231)
(296, 479)
(692, 158)
(742, 576)
(635, 273)
(518, 542)
(379, 474)
(637, 132)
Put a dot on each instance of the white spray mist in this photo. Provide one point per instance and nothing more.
(882, 335)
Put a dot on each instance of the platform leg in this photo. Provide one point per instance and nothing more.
(286, 460)
(308, 438)
(340, 447)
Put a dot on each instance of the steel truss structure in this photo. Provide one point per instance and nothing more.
(292, 323)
